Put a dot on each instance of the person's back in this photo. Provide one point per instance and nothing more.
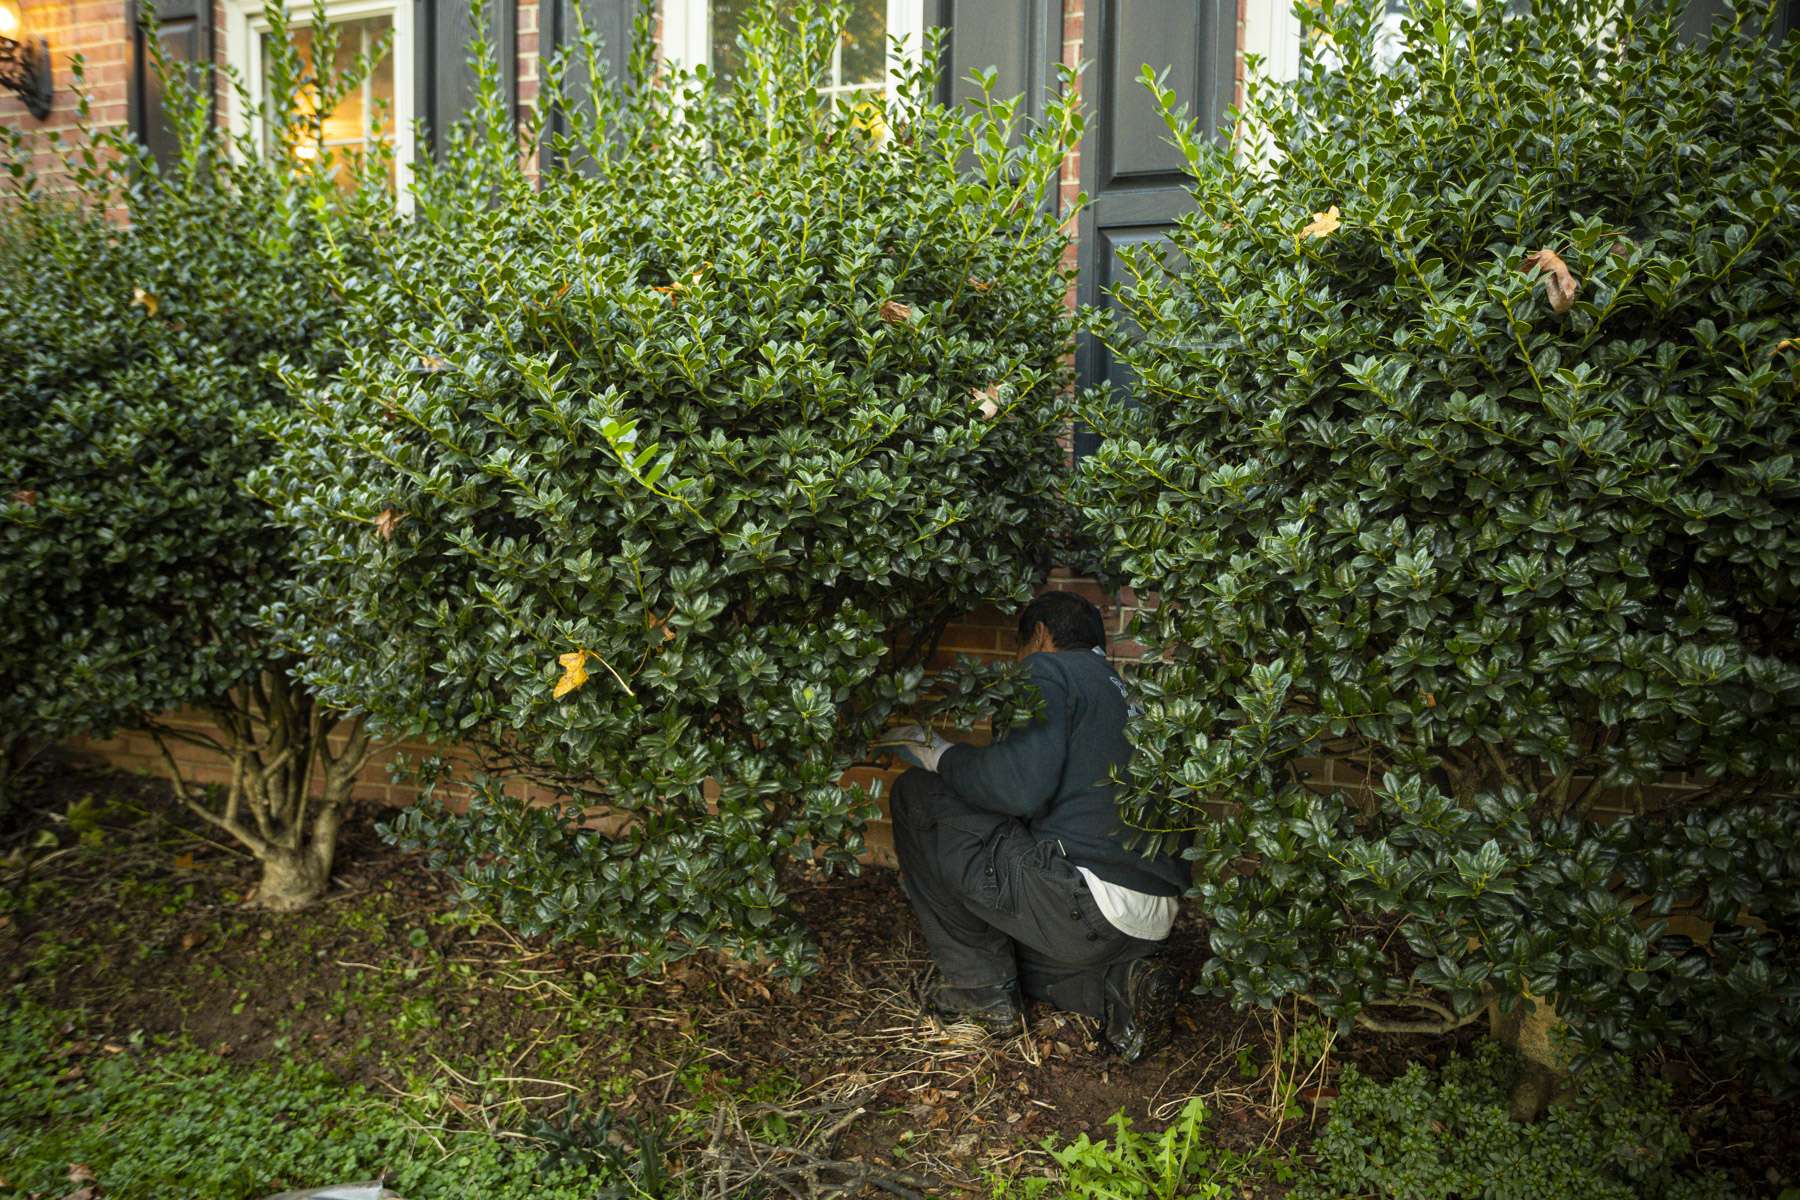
(1068, 758)
(1017, 863)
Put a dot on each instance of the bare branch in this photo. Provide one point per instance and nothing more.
(257, 845)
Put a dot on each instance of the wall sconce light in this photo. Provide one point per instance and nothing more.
(24, 61)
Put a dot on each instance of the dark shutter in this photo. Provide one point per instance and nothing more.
(611, 21)
(1021, 39)
(1697, 17)
(1133, 177)
(443, 79)
(184, 30)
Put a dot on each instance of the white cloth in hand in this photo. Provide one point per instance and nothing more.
(917, 745)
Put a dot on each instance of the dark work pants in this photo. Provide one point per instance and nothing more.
(998, 905)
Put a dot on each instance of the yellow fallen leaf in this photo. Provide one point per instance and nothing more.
(981, 285)
(1559, 282)
(145, 300)
(1785, 344)
(574, 673)
(1323, 224)
(184, 862)
(432, 362)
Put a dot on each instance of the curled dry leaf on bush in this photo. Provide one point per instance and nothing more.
(134, 370)
(692, 480)
(1512, 550)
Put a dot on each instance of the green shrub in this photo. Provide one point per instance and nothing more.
(1180, 1163)
(1504, 561)
(166, 1121)
(663, 473)
(137, 308)
(1420, 1138)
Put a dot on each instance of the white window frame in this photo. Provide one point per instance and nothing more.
(687, 36)
(1273, 31)
(244, 30)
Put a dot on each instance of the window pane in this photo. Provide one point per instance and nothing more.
(727, 22)
(861, 60)
(350, 127)
(864, 59)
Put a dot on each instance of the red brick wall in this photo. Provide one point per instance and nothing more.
(93, 29)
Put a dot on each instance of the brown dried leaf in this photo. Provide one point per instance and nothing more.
(981, 285)
(1559, 281)
(433, 363)
(989, 398)
(1783, 344)
(387, 521)
(26, 496)
(894, 312)
(80, 1173)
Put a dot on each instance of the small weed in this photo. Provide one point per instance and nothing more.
(1180, 1163)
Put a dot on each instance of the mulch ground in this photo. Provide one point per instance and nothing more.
(843, 1077)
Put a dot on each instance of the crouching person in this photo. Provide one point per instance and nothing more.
(1014, 856)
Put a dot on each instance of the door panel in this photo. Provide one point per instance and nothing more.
(443, 79)
(1133, 177)
(1022, 39)
(612, 21)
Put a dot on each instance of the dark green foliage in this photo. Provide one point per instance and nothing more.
(140, 308)
(1507, 563)
(700, 409)
(131, 564)
(1420, 1138)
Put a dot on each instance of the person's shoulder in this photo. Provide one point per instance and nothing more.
(1067, 667)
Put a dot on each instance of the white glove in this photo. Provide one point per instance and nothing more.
(916, 744)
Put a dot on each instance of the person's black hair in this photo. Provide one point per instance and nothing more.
(1074, 623)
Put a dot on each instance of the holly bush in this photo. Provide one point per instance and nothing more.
(655, 478)
(139, 309)
(1461, 451)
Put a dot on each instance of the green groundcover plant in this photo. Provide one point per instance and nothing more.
(1422, 1137)
(141, 305)
(656, 477)
(1461, 450)
(162, 1120)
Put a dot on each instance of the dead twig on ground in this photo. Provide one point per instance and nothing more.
(739, 1155)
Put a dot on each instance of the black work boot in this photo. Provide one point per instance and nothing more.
(995, 1009)
(1140, 1007)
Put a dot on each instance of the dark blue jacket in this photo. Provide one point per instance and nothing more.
(1055, 774)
